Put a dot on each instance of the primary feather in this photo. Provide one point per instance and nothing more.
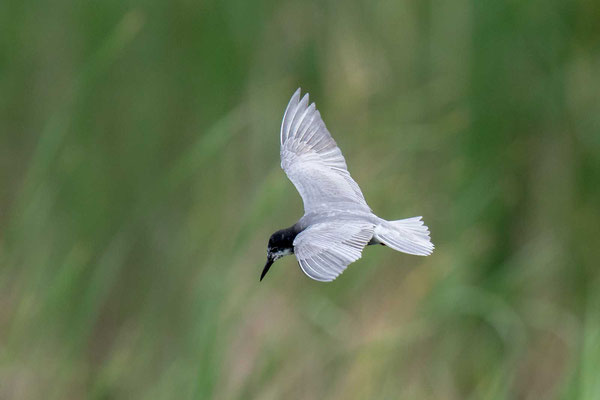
(313, 161)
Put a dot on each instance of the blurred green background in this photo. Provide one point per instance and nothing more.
(140, 181)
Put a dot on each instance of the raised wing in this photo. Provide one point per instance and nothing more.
(313, 161)
(324, 250)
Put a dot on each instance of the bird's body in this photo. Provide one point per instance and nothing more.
(337, 223)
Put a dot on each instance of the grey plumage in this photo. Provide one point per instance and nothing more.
(337, 223)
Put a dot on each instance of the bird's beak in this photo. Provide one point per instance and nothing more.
(267, 266)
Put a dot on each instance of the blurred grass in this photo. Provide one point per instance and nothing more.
(140, 180)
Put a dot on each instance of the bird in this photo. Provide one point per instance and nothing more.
(337, 223)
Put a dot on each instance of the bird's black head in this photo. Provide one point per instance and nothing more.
(280, 244)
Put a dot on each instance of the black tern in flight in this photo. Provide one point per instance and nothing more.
(337, 222)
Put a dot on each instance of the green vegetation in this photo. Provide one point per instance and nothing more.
(140, 181)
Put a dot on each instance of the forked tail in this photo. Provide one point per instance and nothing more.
(408, 235)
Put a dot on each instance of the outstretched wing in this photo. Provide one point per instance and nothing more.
(313, 161)
(324, 250)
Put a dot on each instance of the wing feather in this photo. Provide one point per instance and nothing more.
(313, 161)
(324, 250)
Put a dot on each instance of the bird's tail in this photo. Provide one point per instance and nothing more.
(408, 235)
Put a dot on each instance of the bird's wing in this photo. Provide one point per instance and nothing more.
(324, 250)
(313, 161)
